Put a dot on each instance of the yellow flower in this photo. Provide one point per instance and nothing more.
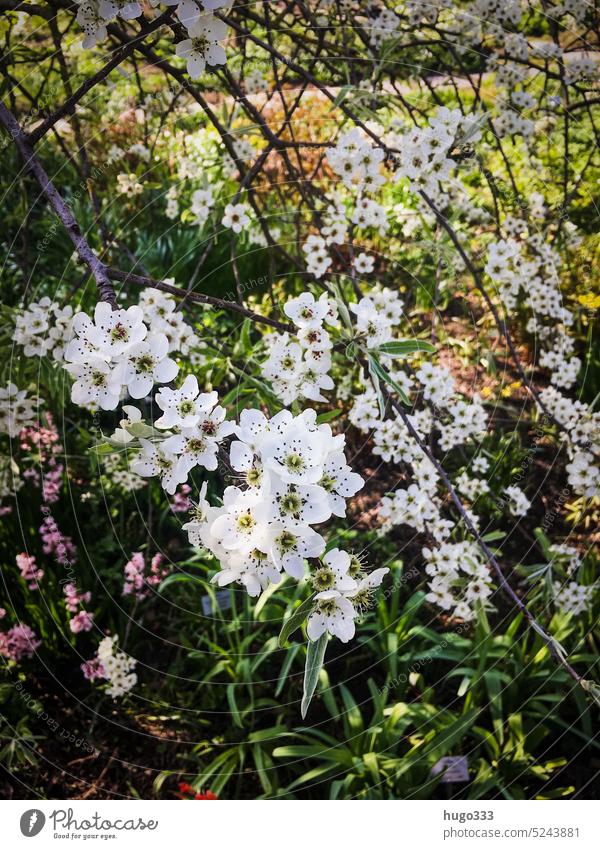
(589, 301)
(508, 390)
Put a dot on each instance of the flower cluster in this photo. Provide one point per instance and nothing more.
(342, 591)
(18, 642)
(418, 505)
(16, 409)
(82, 620)
(129, 185)
(44, 328)
(383, 26)
(459, 579)
(572, 597)
(518, 503)
(162, 317)
(202, 202)
(55, 542)
(42, 444)
(205, 31)
(199, 424)
(456, 420)
(528, 267)
(423, 157)
(296, 476)
(356, 160)
(29, 570)
(113, 665)
(115, 351)
(119, 476)
(299, 369)
(136, 581)
(377, 315)
(584, 473)
(317, 256)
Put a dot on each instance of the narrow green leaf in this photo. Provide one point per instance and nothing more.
(233, 706)
(245, 336)
(377, 385)
(545, 543)
(406, 347)
(295, 621)
(179, 578)
(341, 95)
(315, 653)
(494, 535)
(286, 666)
(380, 372)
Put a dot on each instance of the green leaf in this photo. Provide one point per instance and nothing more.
(286, 666)
(142, 430)
(545, 543)
(295, 621)
(377, 385)
(376, 367)
(273, 733)
(406, 347)
(263, 764)
(493, 536)
(104, 448)
(328, 416)
(245, 336)
(341, 95)
(342, 308)
(233, 706)
(315, 653)
(179, 578)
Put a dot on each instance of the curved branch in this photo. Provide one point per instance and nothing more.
(32, 163)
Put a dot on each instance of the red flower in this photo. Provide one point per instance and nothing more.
(184, 787)
(186, 791)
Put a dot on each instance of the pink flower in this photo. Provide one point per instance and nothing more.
(181, 502)
(44, 442)
(74, 598)
(156, 572)
(83, 621)
(19, 642)
(134, 576)
(56, 543)
(51, 484)
(92, 669)
(137, 581)
(44, 439)
(29, 572)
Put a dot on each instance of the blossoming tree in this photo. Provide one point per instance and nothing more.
(359, 149)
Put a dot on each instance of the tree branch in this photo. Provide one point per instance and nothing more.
(31, 162)
(198, 298)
